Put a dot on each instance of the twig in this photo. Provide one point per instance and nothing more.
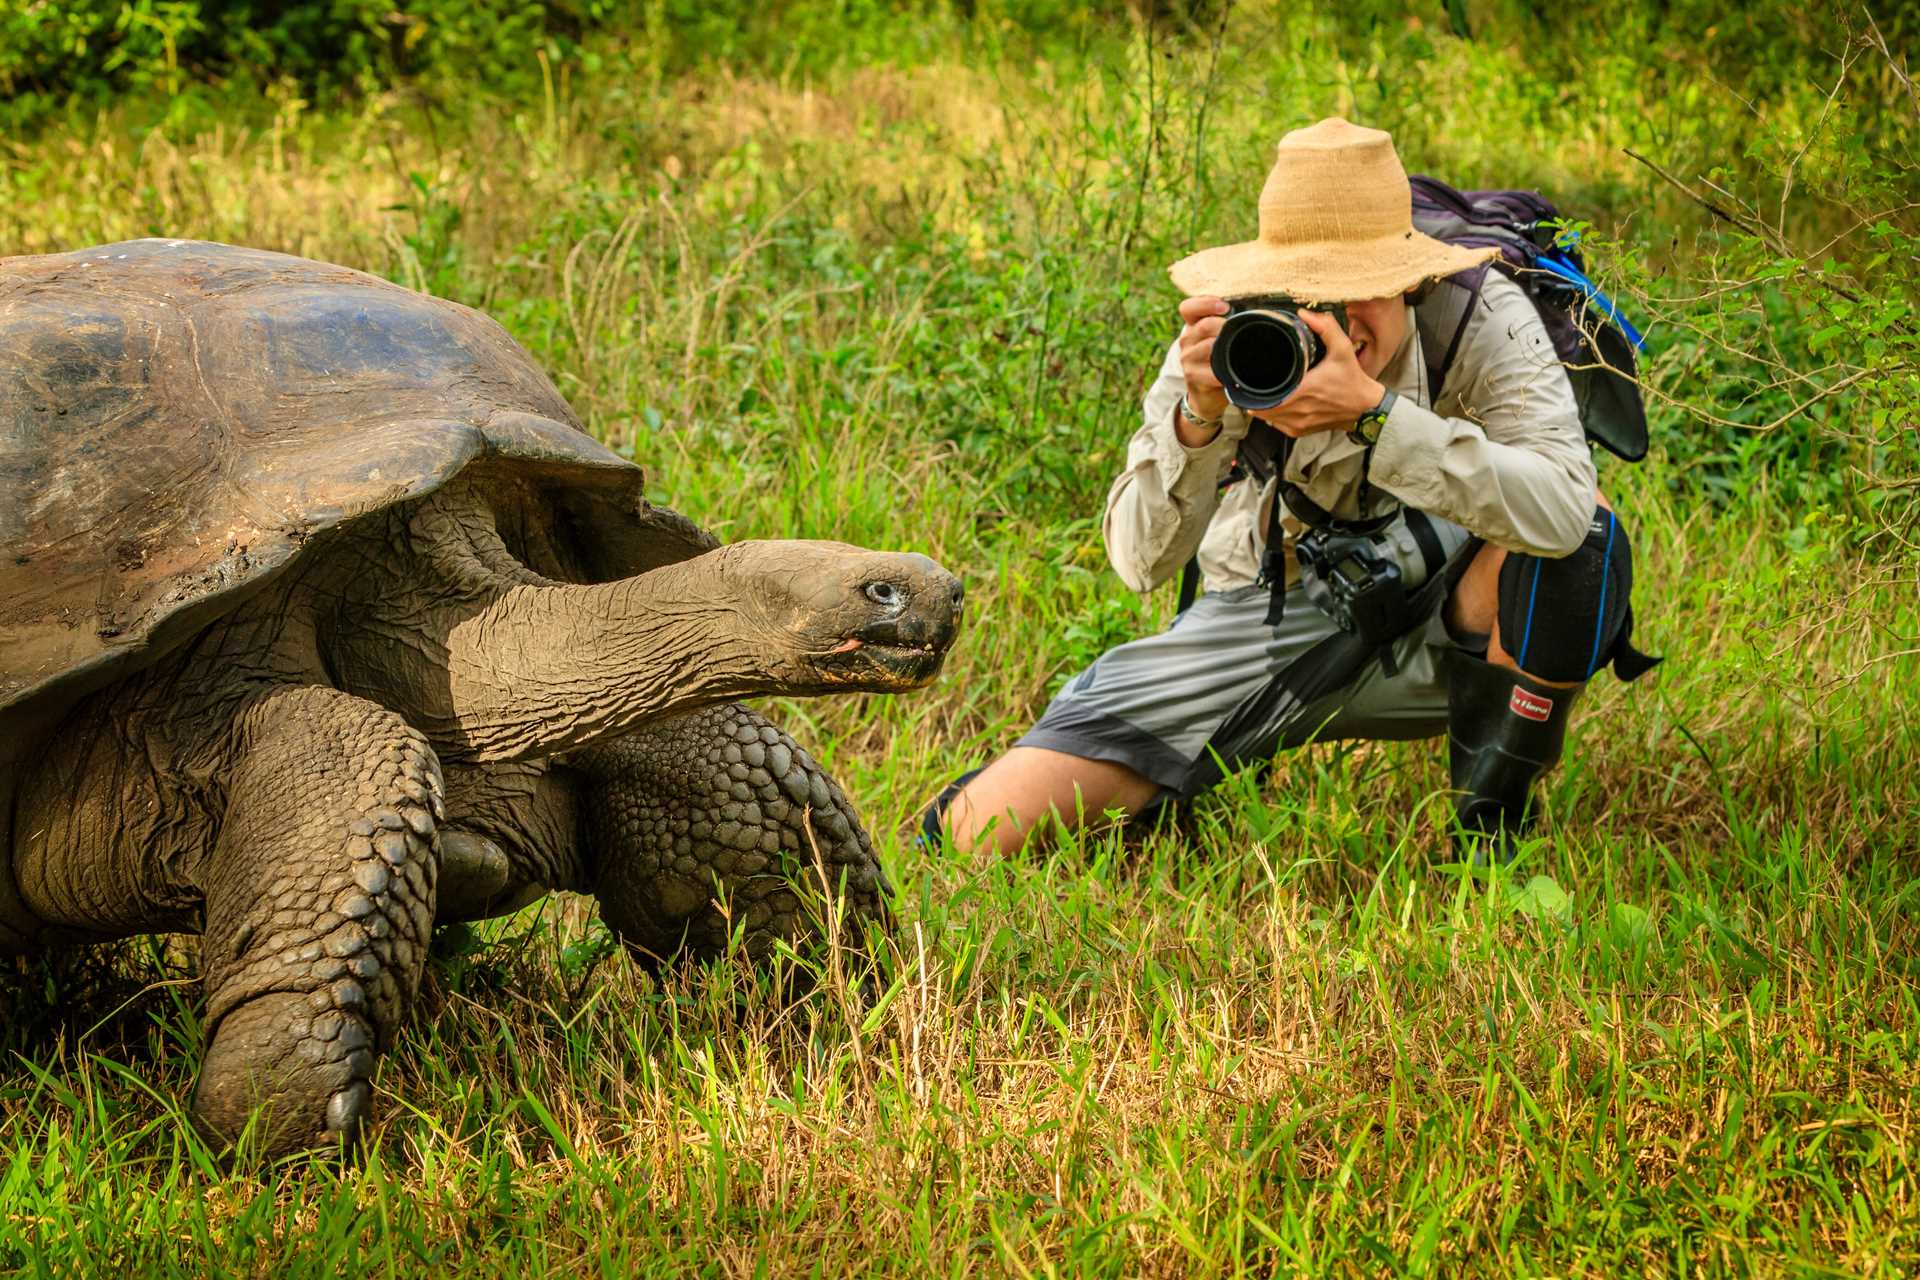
(1153, 139)
(1879, 41)
(1826, 392)
(1751, 226)
(1813, 134)
(1200, 122)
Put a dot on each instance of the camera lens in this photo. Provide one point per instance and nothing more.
(1260, 355)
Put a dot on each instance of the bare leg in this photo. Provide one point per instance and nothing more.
(319, 900)
(700, 823)
(1000, 809)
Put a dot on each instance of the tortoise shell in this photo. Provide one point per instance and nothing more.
(180, 419)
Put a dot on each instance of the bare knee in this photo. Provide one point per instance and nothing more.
(1002, 807)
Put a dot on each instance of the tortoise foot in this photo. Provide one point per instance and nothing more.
(300, 1062)
(319, 907)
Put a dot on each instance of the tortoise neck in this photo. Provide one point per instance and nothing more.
(541, 669)
(431, 615)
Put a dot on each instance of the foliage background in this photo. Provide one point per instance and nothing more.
(895, 274)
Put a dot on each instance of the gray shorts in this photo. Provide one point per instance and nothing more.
(1221, 688)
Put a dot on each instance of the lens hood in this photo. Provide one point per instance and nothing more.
(1263, 349)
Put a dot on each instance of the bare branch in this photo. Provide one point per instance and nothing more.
(1900, 73)
(1752, 226)
(1825, 393)
(1813, 134)
(1861, 221)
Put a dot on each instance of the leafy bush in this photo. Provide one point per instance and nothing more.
(52, 53)
(1793, 345)
(58, 52)
(84, 47)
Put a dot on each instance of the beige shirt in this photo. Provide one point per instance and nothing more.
(1502, 454)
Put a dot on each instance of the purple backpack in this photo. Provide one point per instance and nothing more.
(1591, 337)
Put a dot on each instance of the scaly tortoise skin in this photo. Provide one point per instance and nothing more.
(322, 620)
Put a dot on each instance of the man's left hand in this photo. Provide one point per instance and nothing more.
(1334, 393)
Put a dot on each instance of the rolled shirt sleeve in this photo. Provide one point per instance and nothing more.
(1509, 460)
(1159, 506)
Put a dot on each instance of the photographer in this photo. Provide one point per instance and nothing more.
(1461, 572)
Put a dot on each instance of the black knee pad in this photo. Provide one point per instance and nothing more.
(1564, 619)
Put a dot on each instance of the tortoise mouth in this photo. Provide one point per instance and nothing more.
(884, 663)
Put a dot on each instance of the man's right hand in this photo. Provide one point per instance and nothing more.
(1205, 396)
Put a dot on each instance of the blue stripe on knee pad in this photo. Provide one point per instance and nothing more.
(1600, 613)
(1533, 594)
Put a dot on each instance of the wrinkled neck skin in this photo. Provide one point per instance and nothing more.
(432, 616)
(544, 669)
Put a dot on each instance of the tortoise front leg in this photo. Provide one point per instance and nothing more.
(693, 824)
(319, 903)
(512, 833)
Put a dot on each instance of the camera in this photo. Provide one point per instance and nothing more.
(1360, 589)
(1264, 348)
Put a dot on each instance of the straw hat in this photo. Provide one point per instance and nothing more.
(1336, 225)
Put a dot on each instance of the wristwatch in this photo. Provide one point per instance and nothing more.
(1366, 428)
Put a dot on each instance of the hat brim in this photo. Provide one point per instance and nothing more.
(1343, 271)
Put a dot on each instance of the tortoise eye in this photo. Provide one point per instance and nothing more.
(884, 593)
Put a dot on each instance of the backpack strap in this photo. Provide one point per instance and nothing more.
(1189, 583)
(1442, 323)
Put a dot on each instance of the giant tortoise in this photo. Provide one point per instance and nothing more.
(323, 621)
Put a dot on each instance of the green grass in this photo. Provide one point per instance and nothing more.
(911, 302)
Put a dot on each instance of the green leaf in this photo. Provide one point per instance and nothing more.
(538, 1110)
(878, 1014)
(1628, 925)
(1541, 898)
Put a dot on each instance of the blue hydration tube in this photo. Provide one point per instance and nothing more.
(1557, 264)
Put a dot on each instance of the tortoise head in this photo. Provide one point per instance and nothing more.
(828, 617)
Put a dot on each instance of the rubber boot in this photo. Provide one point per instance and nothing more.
(1504, 729)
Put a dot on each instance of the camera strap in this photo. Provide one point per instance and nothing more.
(1427, 538)
(1315, 516)
(1412, 608)
(1273, 567)
(1266, 454)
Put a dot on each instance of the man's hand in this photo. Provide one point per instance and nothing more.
(1334, 393)
(1202, 318)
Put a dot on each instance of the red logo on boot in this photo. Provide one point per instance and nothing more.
(1530, 705)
